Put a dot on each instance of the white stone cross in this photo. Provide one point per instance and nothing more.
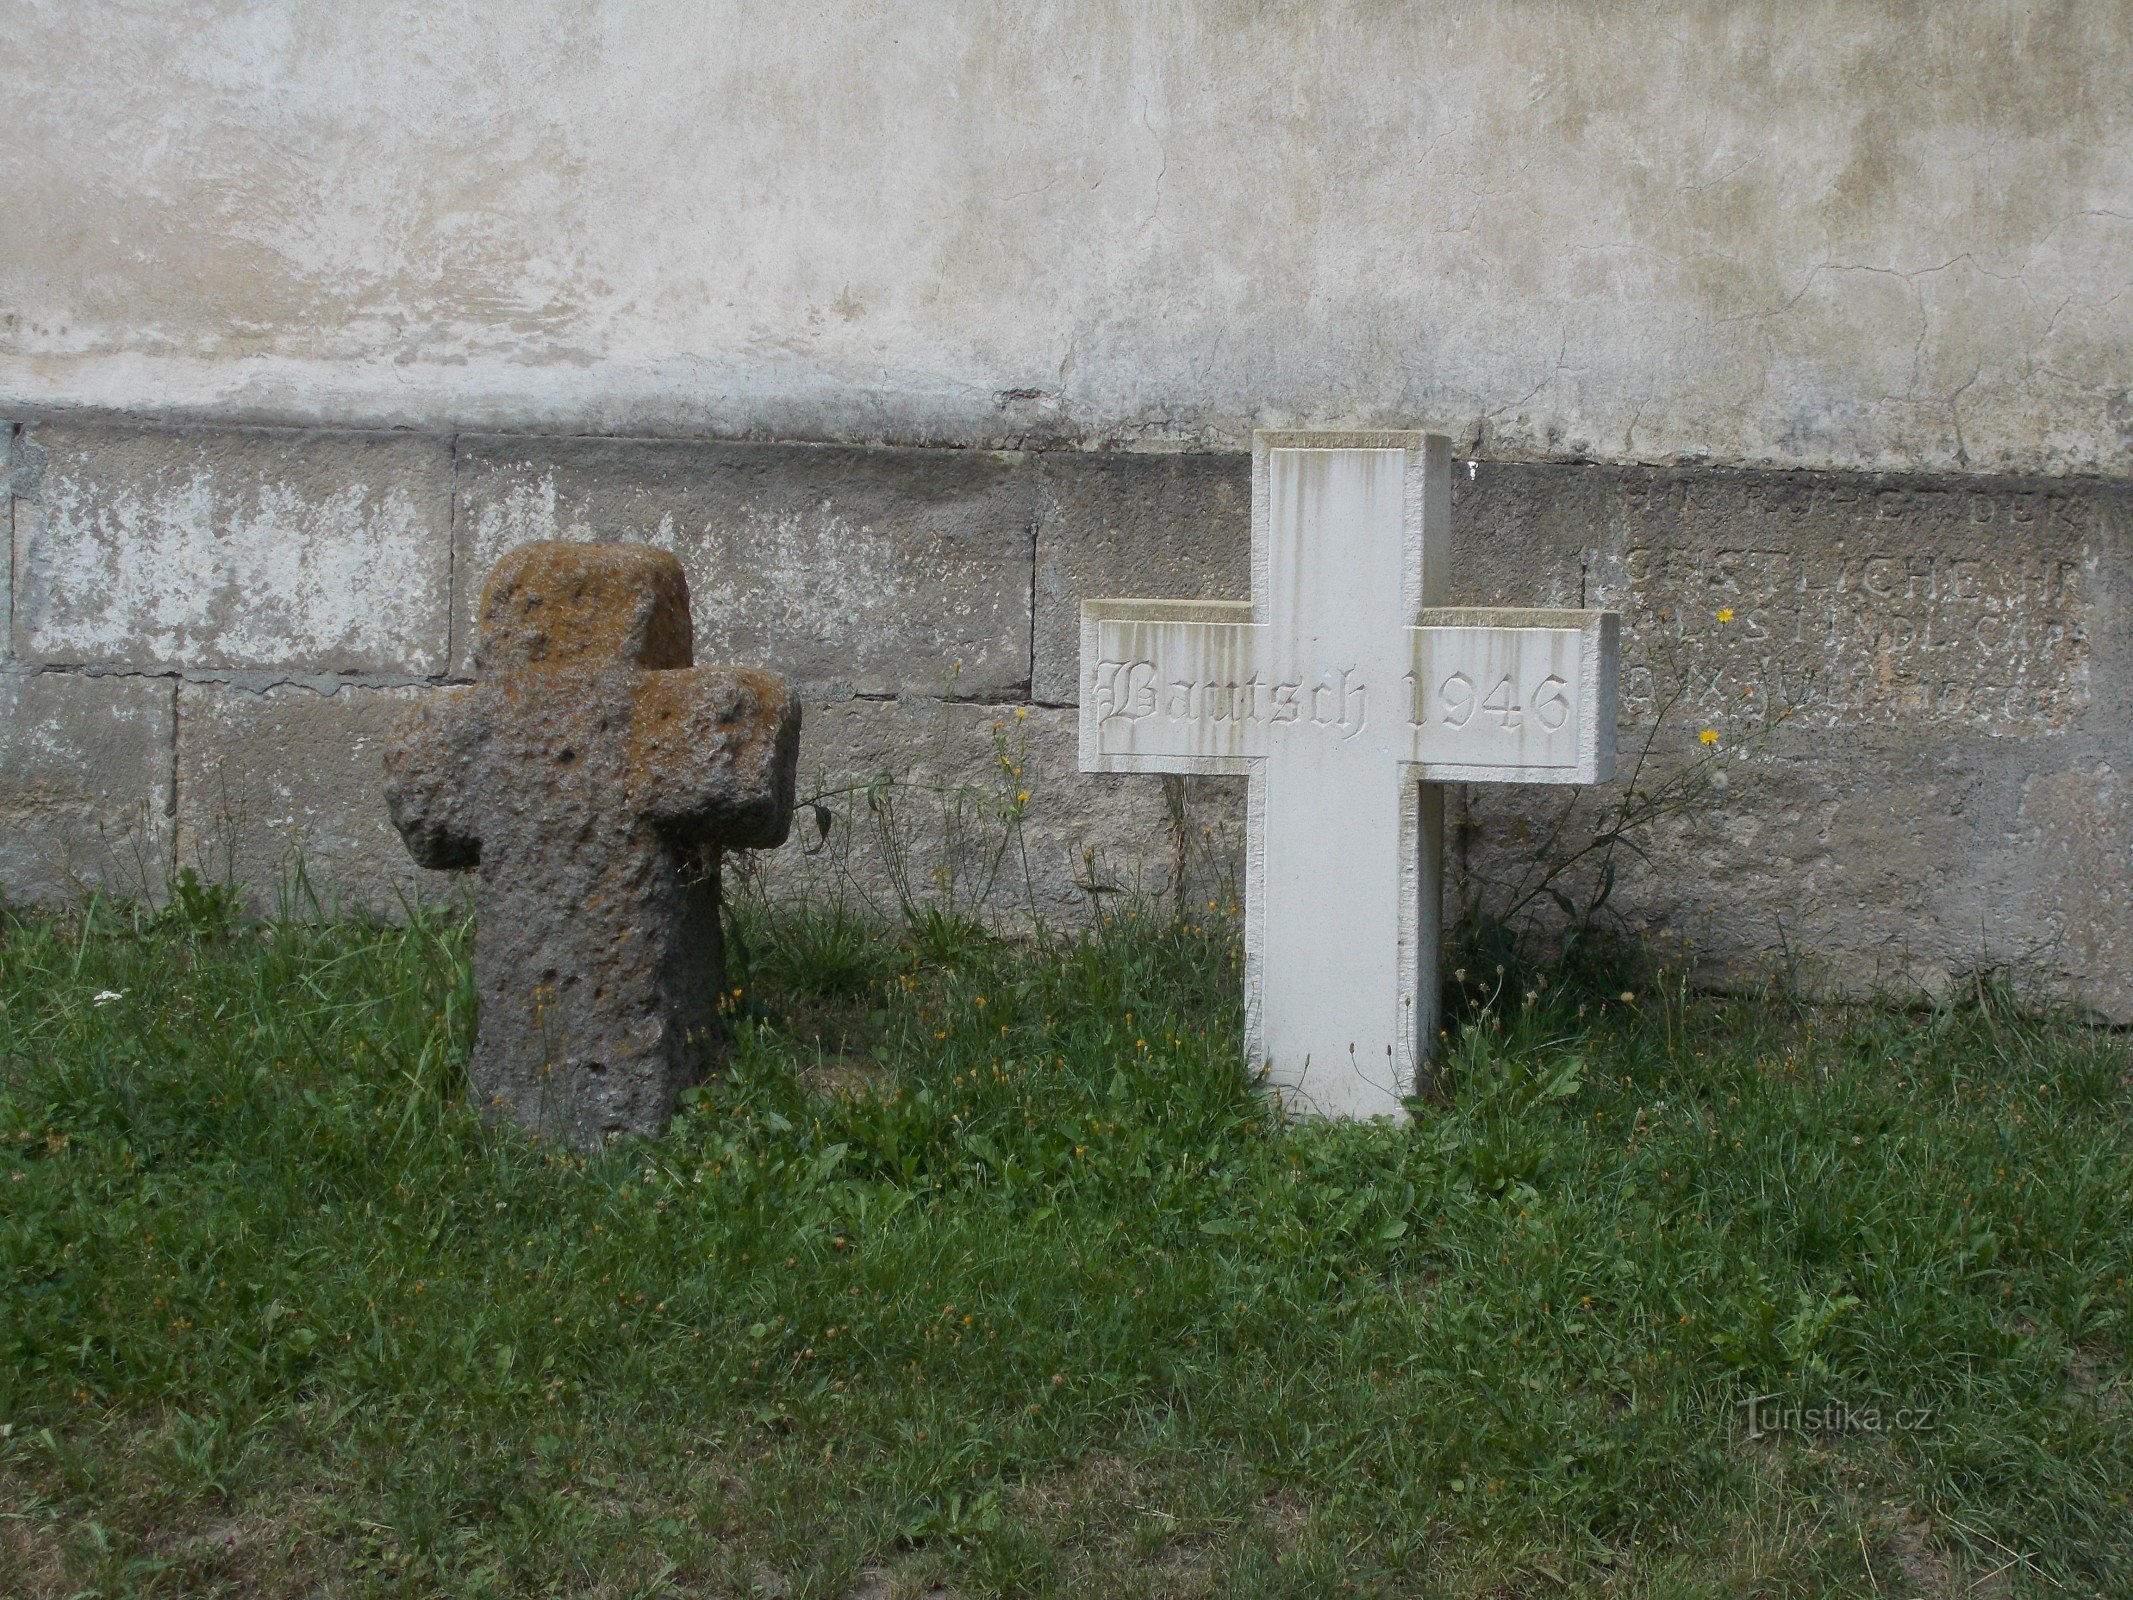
(1348, 693)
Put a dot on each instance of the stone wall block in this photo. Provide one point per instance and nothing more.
(234, 549)
(1524, 535)
(1906, 607)
(2074, 846)
(271, 781)
(1891, 864)
(85, 769)
(872, 571)
(1166, 527)
(2109, 583)
(1086, 841)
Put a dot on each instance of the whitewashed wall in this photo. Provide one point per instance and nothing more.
(1751, 231)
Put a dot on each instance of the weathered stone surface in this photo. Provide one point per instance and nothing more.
(952, 826)
(1879, 866)
(2075, 834)
(1524, 535)
(879, 571)
(1172, 527)
(85, 767)
(1914, 606)
(271, 780)
(1179, 528)
(593, 780)
(1884, 877)
(232, 549)
(1955, 658)
(1966, 623)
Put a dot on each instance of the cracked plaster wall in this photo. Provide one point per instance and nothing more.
(1811, 234)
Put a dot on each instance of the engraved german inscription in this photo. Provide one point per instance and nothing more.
(1903, 608)
(1475, 697)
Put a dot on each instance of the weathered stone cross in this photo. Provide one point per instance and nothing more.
(1348, 694)
(593, 775)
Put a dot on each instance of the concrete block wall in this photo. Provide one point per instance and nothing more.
(211, 630)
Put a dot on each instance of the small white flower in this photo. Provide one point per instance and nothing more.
(104, 997)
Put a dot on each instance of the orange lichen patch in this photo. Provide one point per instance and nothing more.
(718, 746)
(550, 605)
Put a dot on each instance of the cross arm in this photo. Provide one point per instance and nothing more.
(1506, 694)
(1490, 694)
(714, 753)
(1174, 686)
(429, 771)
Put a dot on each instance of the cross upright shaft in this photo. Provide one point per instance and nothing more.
(1345, 692)
(1348, 852)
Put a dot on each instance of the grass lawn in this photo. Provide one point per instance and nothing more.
(984, 1268)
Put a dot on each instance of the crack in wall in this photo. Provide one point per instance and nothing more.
(451, 561)
(177, 702)
(244, 680)
(1036, 524)
(14, 446)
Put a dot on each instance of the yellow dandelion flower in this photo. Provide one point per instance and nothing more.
(1708, 736)
(1725, 613)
